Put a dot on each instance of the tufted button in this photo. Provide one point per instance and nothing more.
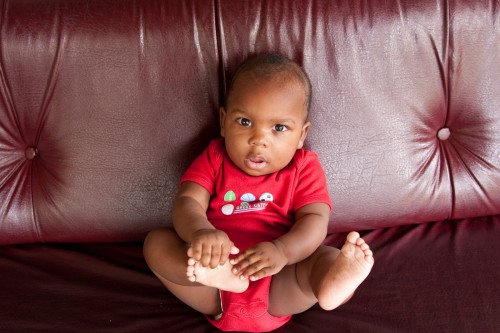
(444, 133)
(31, 153)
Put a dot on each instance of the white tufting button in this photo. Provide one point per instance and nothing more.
(31, 152)
(444, 133)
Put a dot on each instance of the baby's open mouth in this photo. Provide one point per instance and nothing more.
(255, 163)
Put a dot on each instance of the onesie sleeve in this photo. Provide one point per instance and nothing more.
(311, 184)
(205, 167)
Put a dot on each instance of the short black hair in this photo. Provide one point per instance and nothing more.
(268, 65)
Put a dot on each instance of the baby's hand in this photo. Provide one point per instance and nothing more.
(211, 247)
(261, 260)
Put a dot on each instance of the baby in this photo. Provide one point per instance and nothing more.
(252, 212)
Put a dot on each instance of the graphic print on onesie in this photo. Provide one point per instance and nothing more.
(249, 202)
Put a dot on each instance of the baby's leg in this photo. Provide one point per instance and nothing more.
(328, 277)
(166, 255)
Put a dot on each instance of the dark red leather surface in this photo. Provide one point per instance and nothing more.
(435, 277)
(387, 76)
(104, 103)
(117, 97)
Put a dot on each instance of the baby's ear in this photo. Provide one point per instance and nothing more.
(222, 119)
(305, 130)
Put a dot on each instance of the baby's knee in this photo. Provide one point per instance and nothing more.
(157, 239)
(325, 254)
(152, 237)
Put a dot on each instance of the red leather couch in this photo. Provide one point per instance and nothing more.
(104, 103)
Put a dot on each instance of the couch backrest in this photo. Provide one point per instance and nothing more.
(105, 103)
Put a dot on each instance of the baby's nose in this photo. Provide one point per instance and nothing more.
(258, 138)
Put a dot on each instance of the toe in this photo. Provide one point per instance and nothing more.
(369, 259)
(353, 237)
(360, 241)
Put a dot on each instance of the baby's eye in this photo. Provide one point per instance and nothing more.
(244, 122)
(280, 128)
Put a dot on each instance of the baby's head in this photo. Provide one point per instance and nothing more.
(265, 118)
(270, 66)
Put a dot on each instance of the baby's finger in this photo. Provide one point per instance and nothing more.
(206, 255)
(215, 256)
(195, 251)
(253, 270)
(243, 263)
(231, 250)
(244, 256)
(260, 274)
(190, 252)
(225, 252)
(234, 250)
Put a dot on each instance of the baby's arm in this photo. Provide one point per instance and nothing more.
(306, 235)
(209, 246)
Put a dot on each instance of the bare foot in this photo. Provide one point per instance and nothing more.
(220, 277)
(351, 267)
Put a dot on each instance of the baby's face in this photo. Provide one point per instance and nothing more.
(264, 124)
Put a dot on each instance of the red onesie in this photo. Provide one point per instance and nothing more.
(252, 210)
